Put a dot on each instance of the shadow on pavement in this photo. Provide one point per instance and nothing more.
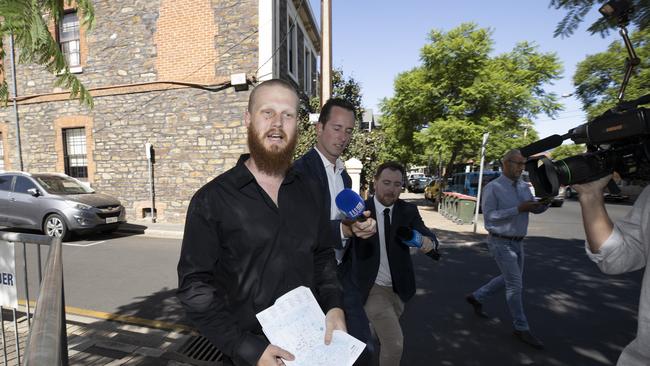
(584, 317)
(162, 306)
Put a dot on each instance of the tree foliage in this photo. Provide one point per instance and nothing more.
(443, 107)
(365, 146)
(567, 150)
(599, 76)
(28, 22)
(578, 9)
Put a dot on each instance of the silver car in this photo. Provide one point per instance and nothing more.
(56, 204)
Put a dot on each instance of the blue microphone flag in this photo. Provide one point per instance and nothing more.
(350, 203)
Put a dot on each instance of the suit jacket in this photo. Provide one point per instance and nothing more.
(366, 251)
(312, 164)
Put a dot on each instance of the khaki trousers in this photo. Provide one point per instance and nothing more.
(384, 309)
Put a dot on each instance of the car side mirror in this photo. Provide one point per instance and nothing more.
(34, 192)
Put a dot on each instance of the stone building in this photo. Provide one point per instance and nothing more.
(160, 73)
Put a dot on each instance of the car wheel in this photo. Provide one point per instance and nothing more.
(55, 226)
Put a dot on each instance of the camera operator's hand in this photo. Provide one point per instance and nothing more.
(598, 225)
(529, 206)
(592, 190)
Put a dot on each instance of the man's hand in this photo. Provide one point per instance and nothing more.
(529, 206)
(334, 320)
(273, 356)
(592, 190)
(362, 229)
(427, 244)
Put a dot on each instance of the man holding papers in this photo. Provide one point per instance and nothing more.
(255, 233)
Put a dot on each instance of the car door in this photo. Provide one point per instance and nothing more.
(26, 209)
(5, 190)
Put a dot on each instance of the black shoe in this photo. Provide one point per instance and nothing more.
(526, 337)
(478, 307)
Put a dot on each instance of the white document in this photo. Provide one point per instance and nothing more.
(297, 324)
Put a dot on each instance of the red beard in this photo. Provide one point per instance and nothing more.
(275, 161)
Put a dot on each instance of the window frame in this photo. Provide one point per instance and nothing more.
(67, 156)
(75, 69)
(292, 41)
(2, 153)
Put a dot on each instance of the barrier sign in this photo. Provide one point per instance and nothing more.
(8, 289)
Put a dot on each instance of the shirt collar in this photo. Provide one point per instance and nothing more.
(242, 176)
(339, 166)
(379, 208)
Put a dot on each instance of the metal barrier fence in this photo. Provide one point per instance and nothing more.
(47, 339)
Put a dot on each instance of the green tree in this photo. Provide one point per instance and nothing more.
(599, 76)
(567, 150)
(460, 91)
(27, 21)
(578, 9)
(367, 147)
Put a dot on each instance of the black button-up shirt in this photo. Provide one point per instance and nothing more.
(241, 252)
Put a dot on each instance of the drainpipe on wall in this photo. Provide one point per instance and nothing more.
(150, 160)
(15, 90)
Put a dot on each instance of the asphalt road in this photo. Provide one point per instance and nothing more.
(583, 316)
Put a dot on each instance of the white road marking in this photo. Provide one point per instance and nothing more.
(85, 245)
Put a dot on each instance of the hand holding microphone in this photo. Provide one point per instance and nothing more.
(357, 220)
(414, 239)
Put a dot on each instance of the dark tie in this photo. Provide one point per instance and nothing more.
(387, 225)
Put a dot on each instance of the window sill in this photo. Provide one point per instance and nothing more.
(73, 70)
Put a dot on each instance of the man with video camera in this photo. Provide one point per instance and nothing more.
(619, 248)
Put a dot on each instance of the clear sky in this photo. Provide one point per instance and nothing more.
(374, 40)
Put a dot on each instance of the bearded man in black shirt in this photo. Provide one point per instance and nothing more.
(254, 233)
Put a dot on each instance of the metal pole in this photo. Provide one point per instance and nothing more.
(40, 272)
(4, 340)
(480, 179)
(15, 90)
(29, 323)
(150, 157)
(326, 51)
(17, 337)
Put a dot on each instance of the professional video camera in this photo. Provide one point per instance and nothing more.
(618, 140)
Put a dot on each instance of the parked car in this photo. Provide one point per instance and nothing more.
(56, 204)
(432, 189)
(417, 185)
(610, 197)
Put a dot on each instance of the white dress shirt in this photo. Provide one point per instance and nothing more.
(383, 275)
(335, 185)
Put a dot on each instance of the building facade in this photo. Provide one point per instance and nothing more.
(159, 72)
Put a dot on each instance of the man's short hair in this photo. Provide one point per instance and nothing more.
(271, 82)
(392, 165)
(331, 103)
(510, 154)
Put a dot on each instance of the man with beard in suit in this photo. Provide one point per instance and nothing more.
(383, 269)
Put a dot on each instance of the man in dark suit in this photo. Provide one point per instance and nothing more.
(383, 269)
(323, 163)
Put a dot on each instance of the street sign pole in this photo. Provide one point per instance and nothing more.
(480, 178)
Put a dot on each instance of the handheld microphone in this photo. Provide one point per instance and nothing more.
(351, 204)
(413, 238)
(542, 145)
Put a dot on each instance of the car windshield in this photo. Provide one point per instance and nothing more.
(55, 184)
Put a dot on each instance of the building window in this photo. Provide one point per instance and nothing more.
(307, 71)
(69, 39)
(292, 45)
(2, 154)
(75, 158)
